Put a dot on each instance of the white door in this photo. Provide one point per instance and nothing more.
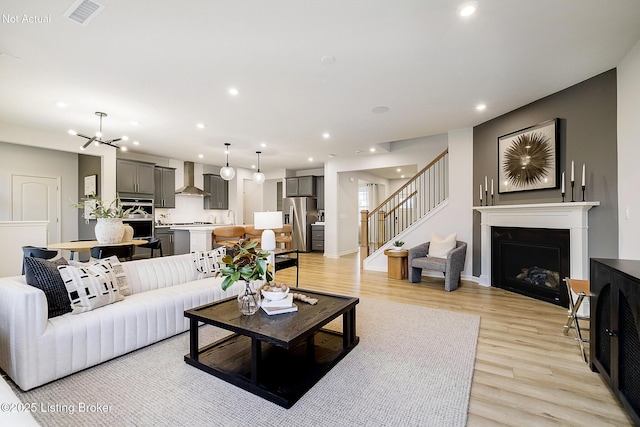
(35, 198)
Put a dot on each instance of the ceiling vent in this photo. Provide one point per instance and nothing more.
(83, 11)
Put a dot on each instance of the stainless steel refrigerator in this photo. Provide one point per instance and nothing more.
(300, 212)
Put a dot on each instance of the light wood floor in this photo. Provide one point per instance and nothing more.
(527, 372)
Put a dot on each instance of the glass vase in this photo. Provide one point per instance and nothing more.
(249, 298)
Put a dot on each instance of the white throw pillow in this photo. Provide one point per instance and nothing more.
(208, 262)
(111, 263)
(90, 288)
(440, 246)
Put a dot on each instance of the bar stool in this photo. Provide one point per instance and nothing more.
(580, 288)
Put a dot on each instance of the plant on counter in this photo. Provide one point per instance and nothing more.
(248, 263)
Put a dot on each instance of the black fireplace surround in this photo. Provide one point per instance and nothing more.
(531, 262)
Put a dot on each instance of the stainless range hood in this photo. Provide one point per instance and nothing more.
(189, 188)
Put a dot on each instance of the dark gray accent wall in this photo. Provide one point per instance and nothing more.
(588, 134)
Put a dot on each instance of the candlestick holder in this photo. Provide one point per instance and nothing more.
(480, 201)
(492, 201)
(583, 187)
(573, 183)
(486, 196)
(563, 197)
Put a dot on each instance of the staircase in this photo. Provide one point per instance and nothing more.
(420, 195)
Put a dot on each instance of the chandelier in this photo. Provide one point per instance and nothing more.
(97, 138)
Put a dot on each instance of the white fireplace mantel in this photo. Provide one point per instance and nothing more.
(572, 216)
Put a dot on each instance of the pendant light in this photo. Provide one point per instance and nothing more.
(258, 177)
(227, 173)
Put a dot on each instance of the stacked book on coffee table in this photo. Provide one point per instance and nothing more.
(284, 305)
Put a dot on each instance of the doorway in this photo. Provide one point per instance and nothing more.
(37, 198)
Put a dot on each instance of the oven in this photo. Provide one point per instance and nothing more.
(141, 222)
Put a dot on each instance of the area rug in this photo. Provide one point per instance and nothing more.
(413, 367)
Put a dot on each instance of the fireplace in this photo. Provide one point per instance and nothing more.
(573, 216)
(531, 262)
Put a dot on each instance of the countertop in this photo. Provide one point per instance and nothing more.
(192, 227)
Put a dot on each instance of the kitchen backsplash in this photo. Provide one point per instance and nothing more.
(189, 209)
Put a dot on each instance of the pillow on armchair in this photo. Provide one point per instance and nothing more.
(440, 246)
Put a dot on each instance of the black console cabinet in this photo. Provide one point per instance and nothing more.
(615, 315)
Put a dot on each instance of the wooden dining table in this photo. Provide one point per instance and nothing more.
(86, 245)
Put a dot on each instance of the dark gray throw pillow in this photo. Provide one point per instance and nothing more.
(44, 274)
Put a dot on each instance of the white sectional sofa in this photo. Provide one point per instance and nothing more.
(35, 350)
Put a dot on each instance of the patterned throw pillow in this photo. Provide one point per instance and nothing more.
(110, 263)
(208, 262)
(43, 274)
(439, 246)
(90, 288)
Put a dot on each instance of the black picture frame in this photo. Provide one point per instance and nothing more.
(528, 159)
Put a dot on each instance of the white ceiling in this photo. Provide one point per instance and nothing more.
(168, 65)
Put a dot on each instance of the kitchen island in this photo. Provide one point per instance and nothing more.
(192, 237)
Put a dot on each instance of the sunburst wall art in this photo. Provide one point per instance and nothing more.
(528, 158)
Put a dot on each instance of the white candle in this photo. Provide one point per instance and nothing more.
(583, 174)
(480, 193)
(572, 178)
(486, 186)
(562, 183)
(492, 186)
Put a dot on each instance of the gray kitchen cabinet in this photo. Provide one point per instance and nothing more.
(219, 190)
(304, 186)
(320, 192)
(134, 178)
(317, 237)
(292, 187)
(165, 187)
(181, 242)
(166, 236)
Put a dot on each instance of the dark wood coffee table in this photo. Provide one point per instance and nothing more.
(278, 357)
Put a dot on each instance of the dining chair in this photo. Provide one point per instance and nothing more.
(123, 252)
(36, 252)
(154, 244)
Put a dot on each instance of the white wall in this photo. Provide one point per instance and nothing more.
(629, 154)
(456, 215)
(33, 161)
(341, 204)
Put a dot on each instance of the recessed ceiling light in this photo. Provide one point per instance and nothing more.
(326, 135)
(200, 126)
(398, 170)
(264, 144)
(328, 59)
(201, 156)
(467, 8)
(311, 159)
(123, 148)
(125, 138)
(72, 132)
(481, 107)
(233, 91)
(372, 150)
(380, 109)
(253, 166)
(61, 104)
(401, 176)
(136, 143)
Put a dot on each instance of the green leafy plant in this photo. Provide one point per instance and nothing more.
(100, 209)
(248, 263)
(398, 243)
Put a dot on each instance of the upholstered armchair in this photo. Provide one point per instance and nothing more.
(451, 266)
